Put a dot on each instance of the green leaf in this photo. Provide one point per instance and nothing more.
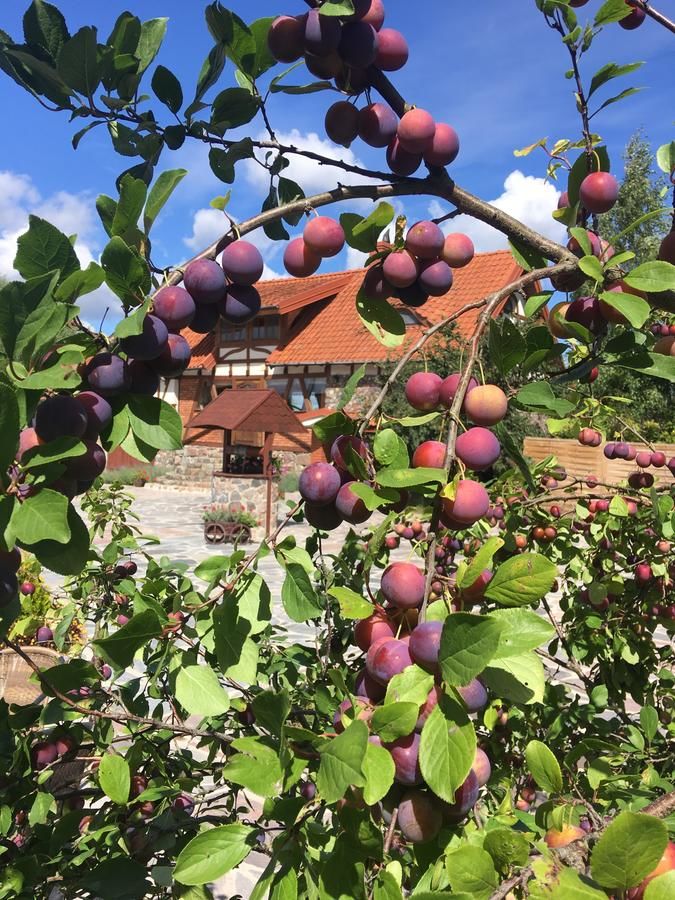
(337, 8)
(633, 308)
(522, 580)
(42, 517)
(609, 71)
(628, 850)
(351, 385)
(622, 96)
(591, 266)
(580, 170)
(263, 55)
(661, 888)
(655, 364)
(506, 345)
(649, 720)
(536, 302)
(665, 157)
(271, 710)
(341, 762)
(525, 256)
(209, 74)
(384, 322)
(9, 425)
(120, 647)
(45, 454)
(234, 107)
(255, 766)
(44, 25)
(471, 869)
(447, 748)
(652, 277)
(412, 685)
(299, 595)
(213, 853)
(114, 777)
(519, 679)
(199, 691)
(352, 605)
(390, 449)
(42, 805)
(155, 422)
(118, 878)
(42, 249)
(544, 767)
(363, 233)
(468, 643)
(126, 272)
(133, 323)
(378, 771)
(507, 847)
(401, 478)
(152, 35)
(71, 558)
(129, 206)
(276, 87)
(167, 88)
(566, 885)
(386, 887)
(522, 630)
(394, 720)
(78, 62)
(84, 281)
(538, 395)
(480, 562)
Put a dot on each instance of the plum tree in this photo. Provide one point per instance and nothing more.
(371, 11)
(9, 587)
(478, 449)
(143, 379)
(174, 306)
(464, 800)
(89, 465)
(149, 343)
(448, 389)
(324, 236)
(206, 316)
(635, 18)
(366, 686)
(458, 250)
(98, 412)
(422, 390)
(419, 817)
(350, 710)
(481, 767)
(242, 262)
(346, 444)
(469, 504)
(403, 585)
(60, 415)
(319, 484)
(563, 837)
(400, 161)
(322, 33)
(586, 311)
(367, 631)
(359, 44)
(377, 124)
(342, 127)
(665, 864)
(474, 695)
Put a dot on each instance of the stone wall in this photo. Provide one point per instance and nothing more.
(250, 492)
(191, 467)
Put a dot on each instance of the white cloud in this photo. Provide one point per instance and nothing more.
(72, 214)
(529, 199)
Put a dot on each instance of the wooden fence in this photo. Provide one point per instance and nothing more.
(581, 461)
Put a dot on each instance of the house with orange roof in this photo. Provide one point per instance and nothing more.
(308, 339)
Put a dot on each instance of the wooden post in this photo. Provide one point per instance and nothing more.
(267, 472)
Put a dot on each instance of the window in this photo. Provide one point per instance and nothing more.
(408, 318)
(265, 327)
(231, 334)
(316, 389)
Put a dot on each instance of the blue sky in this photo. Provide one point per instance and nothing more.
(491, 69)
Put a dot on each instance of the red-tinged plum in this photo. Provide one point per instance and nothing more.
(464, 800)
(286, 38)
(557, 320)
(428, 706)
(174, 306)
(643, 573)
(419, 817)
(89, 465)
(319, 484)
(638, 480)
(458, 250)
(377, 124)
(344, 444)
(667, 248)
(183, 805)
(665, 864)
(9, 588)
(586, 311)
(403, 585)
(475, 592)
(400, 269)
(658, 459)
(387, 657)
(352, 81)
(149, 343)
(324, 236)
(350, 506)
(422, 391)
(413, 296)
(139, 783)
(299, 260)
(486, 405)
(322, 33)
(205, 318)
(44, 635)
(575, 247)
(448, 389)
(371, 11)
(598, 192)
(425, 642)
(392, 50)
(242, 262)
(564, 199)
(242, 303)
(430, 455)
(359, 44)
(204, 280)
(43, 754)
(471, 502)
(644, 459)
(366, 686)
(405, 753)
(342, 123)
(474, 695)
(556, 838)
(60, 416)
(634, 19)
(98, 411)
(444, 147)
(416, 131)
(375, 285)
(665, 346)
(324, 67)
(175, 359)
(10, 560)
(400, 161)
(478, 448)
(425, 240)
(348, 711)
(435, 277)
(481, 767)
(64, 744)
(610, 313)
(108, 375)
(367, 631)
(144, 379)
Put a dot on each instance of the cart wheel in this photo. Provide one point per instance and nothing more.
(214, 533)
(240, 534)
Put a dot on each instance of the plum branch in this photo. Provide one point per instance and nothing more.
(659, 17)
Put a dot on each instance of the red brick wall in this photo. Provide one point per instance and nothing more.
(188, 406)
